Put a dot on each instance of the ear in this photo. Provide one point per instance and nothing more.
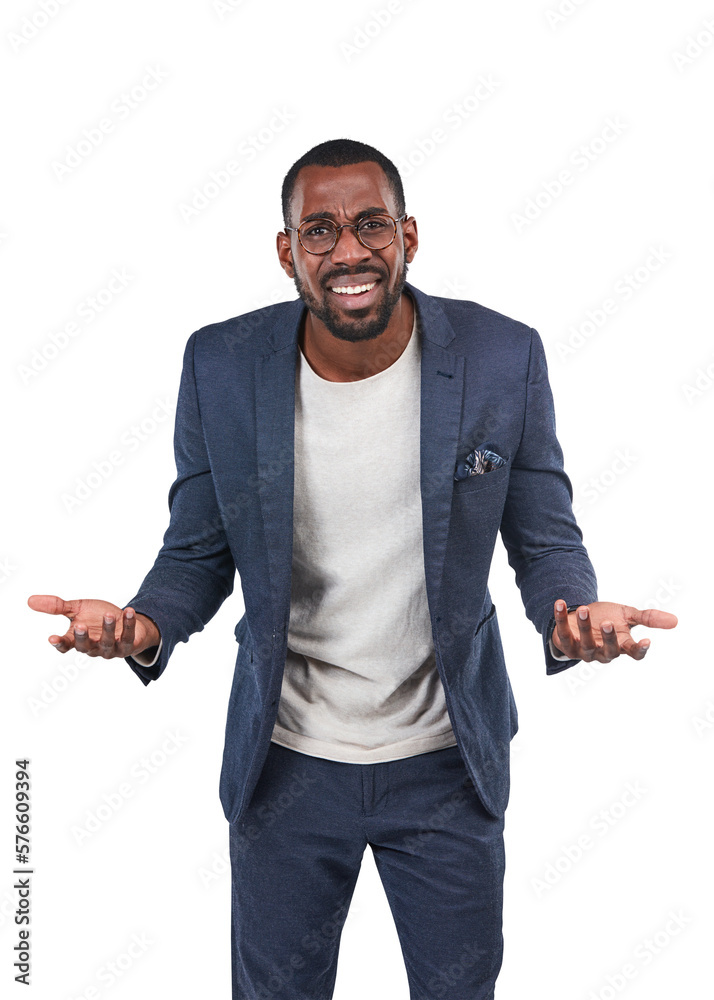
(411, 238)
(285, 253)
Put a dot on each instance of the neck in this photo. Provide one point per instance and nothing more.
(343, 361)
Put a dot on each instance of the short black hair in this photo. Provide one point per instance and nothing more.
(341, 153)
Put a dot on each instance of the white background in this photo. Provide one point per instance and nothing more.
(334, 70)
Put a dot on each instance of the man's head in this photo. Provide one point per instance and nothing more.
(344, 182)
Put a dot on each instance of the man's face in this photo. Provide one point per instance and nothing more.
(343, 195)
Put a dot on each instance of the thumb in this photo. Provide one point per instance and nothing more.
(51, 604)
(651, 618)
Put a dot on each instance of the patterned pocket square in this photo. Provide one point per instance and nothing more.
(479, 461)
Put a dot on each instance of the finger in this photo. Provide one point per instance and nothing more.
(588, 643)
(50, 604)
(650, 617)
(566, 639)
(126, 643)
(81, 638)
(610, 643)
(634, 649)
(62, 642)
(105, 645)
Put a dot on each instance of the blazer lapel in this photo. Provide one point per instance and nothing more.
(275, 445)
(442, 390)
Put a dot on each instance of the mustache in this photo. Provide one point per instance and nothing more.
(365, 269)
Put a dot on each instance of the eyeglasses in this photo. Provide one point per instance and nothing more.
(375, 232)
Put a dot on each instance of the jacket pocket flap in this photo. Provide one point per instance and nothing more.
(241, 630)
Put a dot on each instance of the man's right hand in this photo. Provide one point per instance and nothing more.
(98, 628)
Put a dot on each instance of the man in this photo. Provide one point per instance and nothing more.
(353, 454)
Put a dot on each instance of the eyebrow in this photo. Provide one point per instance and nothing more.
(365, 213)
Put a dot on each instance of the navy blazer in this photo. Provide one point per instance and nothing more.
(484, 383)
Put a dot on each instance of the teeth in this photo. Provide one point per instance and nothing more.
(353, 289)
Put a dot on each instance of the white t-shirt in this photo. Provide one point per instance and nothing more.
(360, 682)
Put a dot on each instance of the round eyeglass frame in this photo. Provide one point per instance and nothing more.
(347, 225)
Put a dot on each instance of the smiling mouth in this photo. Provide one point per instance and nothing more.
(353, 289)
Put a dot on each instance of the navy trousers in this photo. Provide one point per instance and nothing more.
(296, 855)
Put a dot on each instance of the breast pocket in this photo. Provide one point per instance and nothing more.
(472, 485)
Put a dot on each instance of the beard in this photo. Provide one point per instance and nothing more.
(353, 328)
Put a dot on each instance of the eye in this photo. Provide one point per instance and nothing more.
(374, 225)
(317, 229)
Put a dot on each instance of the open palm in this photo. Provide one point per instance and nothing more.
(98, 628)
(601, 630)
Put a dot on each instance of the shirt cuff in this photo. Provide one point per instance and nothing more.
(141, 658)
(554, 652)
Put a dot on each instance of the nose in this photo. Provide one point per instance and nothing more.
(348, 249)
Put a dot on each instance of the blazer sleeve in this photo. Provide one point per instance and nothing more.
(194, 570)
(538, 527)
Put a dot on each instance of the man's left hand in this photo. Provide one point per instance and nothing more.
(601, 631)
